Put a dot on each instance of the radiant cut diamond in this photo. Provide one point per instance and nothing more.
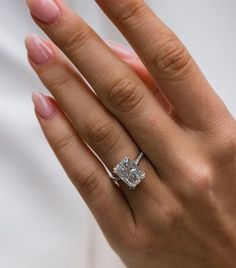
(129, 172)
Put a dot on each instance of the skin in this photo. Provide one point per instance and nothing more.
(183, 214)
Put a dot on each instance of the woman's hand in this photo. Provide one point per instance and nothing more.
(183, 213)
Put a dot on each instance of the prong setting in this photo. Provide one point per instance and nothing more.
(129, 172)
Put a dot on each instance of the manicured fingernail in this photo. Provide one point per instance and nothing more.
(38, 50)
(120, 50)
(45, 10)
(43, 106)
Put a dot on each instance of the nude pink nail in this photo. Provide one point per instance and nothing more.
(43, 106)
(45, 10)
(38, 50)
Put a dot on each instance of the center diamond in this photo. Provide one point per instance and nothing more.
(129, 172)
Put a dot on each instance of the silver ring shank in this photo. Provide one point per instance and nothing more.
(138, 159)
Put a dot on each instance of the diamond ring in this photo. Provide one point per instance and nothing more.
(129, 172)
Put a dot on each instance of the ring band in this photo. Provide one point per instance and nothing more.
(128, 171)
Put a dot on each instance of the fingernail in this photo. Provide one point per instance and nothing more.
(38, 50)
(45, 10)
(43, 106)
(120, 50)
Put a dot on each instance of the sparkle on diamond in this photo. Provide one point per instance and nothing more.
(128, 171)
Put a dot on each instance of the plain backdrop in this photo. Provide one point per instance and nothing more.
(43, 221)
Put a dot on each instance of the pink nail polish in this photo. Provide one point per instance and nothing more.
(120, 50)
(43, 106)
(45, 10)
(38, 50)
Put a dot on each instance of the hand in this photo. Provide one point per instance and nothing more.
(183, 213)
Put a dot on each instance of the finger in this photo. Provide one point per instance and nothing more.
(101, 131)
(169, 62)
(83, 168)
(115, 83)
(136, 64)
(133, 60)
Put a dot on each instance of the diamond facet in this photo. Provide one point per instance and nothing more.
(129, 172)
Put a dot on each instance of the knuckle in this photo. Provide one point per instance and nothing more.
(200, 181)
(103, 134)
(60, 82)
(63, 142)
(131, 13)
(87, 181)
(171, 60)
(76, 39)
(125, 94)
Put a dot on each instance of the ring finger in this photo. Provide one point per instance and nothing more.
(95, 124)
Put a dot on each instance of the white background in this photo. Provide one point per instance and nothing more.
(43, 221)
